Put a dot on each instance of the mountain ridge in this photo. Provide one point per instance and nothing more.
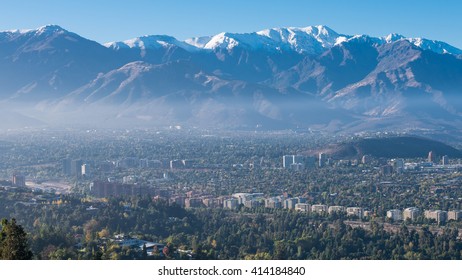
(320, 38)
(282, 77)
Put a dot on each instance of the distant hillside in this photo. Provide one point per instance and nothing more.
(392, 147)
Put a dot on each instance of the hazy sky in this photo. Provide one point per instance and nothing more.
(114, 20)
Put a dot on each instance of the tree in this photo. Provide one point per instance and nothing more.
(144, 252)
(13, 242)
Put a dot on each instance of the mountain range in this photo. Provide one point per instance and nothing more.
(308, 77)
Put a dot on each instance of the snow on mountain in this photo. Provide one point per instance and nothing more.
(311, 39)
(46, 30)
(435, 46)
(392, 37)
(49, 29)
(293, 35)
(150, 42)
(308, 40)
(425, 44)
(198, 42)
(310, 69)
(305, 40)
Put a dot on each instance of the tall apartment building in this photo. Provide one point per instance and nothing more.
(322, 160)
(431, 157)
(19, 180)
(296, 162)
(445, 160)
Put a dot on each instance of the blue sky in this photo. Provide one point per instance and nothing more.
(103, 20)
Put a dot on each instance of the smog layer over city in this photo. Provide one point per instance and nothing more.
(265, 143)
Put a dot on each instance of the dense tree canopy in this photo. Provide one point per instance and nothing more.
(13, 242)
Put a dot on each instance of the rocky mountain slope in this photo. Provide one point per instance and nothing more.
(277, 78)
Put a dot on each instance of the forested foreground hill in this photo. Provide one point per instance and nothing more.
(67, 229)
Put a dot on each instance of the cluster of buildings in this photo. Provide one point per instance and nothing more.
(75, 167)
(413, 213)
(81, 168)
(324, 209)
(300, 162)
(152, 248)
(254, 200)
(102, 189)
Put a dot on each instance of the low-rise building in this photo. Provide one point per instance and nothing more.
(212, 202)
(319, 208)
(411, 213)
(289, 203)
(336, 209)
(455, 215)
(273, 202)
(437, 215)
(193, 202)
(395, 215)
(242, 197)
(178, 200)
(252, 204)
(355, 211)
(231, 203)
(302, 207)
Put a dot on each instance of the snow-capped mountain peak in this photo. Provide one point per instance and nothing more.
(393, 37)
(45, 30)
(435, 46)
(50, 28)
(311, 40)
(150, 42)
(198, 42)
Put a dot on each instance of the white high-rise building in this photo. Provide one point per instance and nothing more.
(295, 162)
(445, 160)
(85, 169)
